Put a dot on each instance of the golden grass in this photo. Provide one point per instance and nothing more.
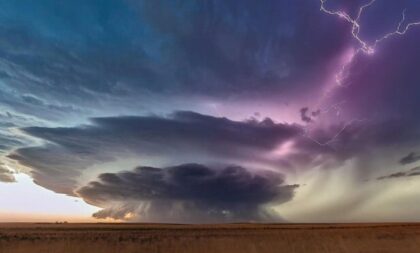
(240, 238)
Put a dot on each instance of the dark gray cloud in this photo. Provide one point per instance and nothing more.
(304, 115)
(182, 136)
(410, 158)
(187, 136)
(393, 175)
(73, 58)
(308, 116)
(188, 193)
(235, 46)
(410, 173)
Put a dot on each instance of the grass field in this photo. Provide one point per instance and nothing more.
(240, 238)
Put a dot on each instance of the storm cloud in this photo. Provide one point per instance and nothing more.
(401, 174)
(188, 193)
(191, 75)
(181, 136)
(410, 158)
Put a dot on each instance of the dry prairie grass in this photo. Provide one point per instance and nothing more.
(240, 238)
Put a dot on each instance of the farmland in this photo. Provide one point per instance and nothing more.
(113, 238)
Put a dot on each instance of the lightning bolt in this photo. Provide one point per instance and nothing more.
(364, 47)
(336, 135)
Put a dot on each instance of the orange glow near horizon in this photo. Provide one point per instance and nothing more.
(24, 201)
(44, 217)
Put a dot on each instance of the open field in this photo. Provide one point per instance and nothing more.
(241, 238)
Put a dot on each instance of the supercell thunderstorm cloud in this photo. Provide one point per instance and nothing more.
(188, 193)
(213, 111)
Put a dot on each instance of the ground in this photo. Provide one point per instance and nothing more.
(241, 238)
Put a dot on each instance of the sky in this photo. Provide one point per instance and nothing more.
(209, 111)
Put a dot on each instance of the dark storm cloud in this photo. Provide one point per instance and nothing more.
(231, 46)
(393, 175)
(410, 158)
(308, 116)
(74, 53)
(182, 136)
(188, 193)
(215, 134)
(410, 173)
(79, 57)
(304, 115)
(187, 136)
(63, 62)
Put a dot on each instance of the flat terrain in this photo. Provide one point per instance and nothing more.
(240, 238)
